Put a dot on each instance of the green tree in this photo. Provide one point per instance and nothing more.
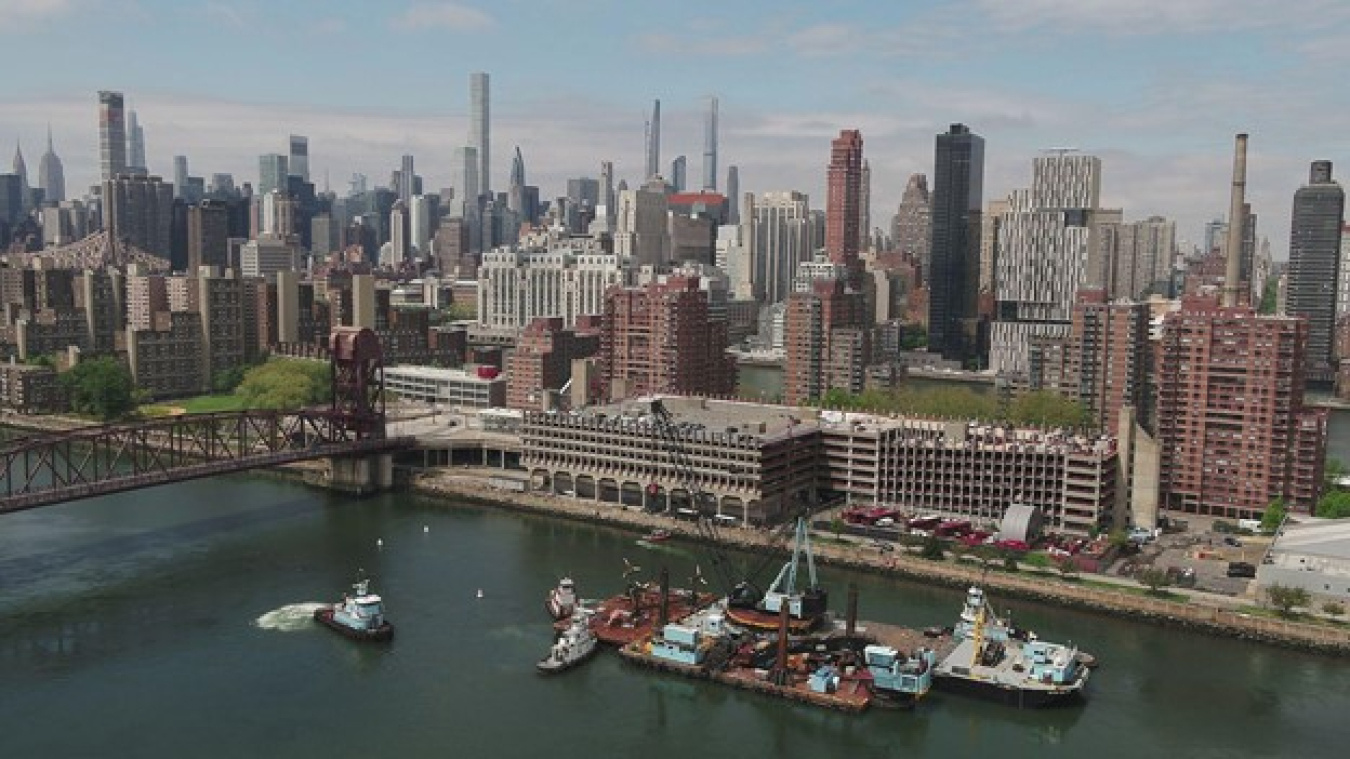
(1333, 469)
(101, 387)
(1155, 578)
(1118, 538)
(1333, 608)
(1046, 408)
(286, 384)
(1274, 516)
(932, 548)
(1068, 568)
(1334, 505)
(1286, 598)
(1269, 296)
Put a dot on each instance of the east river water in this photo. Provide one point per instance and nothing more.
(174, 622)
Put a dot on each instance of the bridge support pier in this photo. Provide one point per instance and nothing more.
(359, 475)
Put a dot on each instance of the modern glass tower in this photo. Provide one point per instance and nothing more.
(1314, 252)
(479, 137)
(112, 135)
(958, 189)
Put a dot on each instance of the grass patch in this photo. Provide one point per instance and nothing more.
(206, 404)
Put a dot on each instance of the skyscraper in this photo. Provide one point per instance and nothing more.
(138, 210)
(1314, 250)
(51, 174)
(654, 142)
(299, 157)
(607, 190)
(844, 197)
(464, 173)
(678, 175)
(911, 229)
(407, 177)
(21, 171)
(733, 195)
(180, 177)
(780, 238)
(112, 135)
(958, 190)
(135, 145)
(710, 149)
(865, 207)
(1045, 240)
(479, 134)
(272, 173)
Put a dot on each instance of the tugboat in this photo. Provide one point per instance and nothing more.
(575, 645)
(996, 660)
(359, 615)
(562, 600)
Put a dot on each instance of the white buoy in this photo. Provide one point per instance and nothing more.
(480, 592)
(379, 542)
(425, 529)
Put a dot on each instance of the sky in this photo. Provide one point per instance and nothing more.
(1156, 88)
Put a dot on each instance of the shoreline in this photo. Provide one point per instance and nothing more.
(1049, 589)
(452, 486)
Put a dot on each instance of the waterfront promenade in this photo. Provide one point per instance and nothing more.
(1182, 607)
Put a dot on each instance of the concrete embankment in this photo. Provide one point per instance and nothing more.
(1029, 585)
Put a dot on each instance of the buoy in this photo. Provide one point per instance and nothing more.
(379, 542)
(426, 529)
(480, 592)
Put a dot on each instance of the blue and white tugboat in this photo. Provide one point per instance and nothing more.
(359, 615)
(574, 645)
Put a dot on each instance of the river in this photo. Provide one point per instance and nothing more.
(173, 622)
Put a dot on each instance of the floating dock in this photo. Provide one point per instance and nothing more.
(622, 619)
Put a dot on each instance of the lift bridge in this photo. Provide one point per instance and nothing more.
(349, 434)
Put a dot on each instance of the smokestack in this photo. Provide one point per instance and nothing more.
(1236, 222)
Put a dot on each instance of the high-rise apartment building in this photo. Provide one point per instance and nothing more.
(208, 233)
(843, 199)
(663, 338)
(642, 232)
(710, 149)
(679, 173)
(733, 195)
(1045, 241)
(1233, 430)
(479, 131)
(825, 341)
(1314, 256)
(958, 192)
(780, 239)
(911, 229)
(653, 143)
(1104, 362)
(138, 210)
(545, 276)
(464, 172)
(112, 135)
(407, 178)
(542, 361)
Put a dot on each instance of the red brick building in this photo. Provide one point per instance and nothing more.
(844, 198)
(1233, 430)
(661, 338)
(826, 342)
(542, 360)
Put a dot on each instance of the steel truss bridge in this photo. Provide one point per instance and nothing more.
(91, 461)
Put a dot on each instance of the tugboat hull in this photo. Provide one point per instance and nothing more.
(384, 632)
(1027, 698)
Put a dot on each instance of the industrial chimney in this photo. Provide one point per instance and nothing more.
(1232, 284)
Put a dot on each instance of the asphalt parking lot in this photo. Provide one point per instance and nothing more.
(1203, 550)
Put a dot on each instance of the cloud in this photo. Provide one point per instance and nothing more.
(452, 16)
(17, 13)
(1154, 17)
(699, 45)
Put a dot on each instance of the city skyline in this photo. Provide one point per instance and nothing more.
(1155, 89)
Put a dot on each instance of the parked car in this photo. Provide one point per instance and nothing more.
(1241, 569)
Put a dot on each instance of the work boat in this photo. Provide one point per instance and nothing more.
(806, 607)
(562, 600)
(575, 645)
(995, 660)
(359, 615)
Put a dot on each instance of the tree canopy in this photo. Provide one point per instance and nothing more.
(1274, 516)
(1334, 505)
(286, 384)
(1042, 408)
(101, 387)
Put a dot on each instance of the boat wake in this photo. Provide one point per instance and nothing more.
(289, 618)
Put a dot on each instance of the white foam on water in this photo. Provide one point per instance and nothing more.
(289, 618)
